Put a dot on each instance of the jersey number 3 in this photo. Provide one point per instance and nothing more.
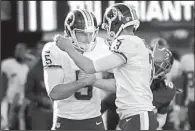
(80, 96)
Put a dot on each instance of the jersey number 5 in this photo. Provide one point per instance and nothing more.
(89, 94)
(47, 59)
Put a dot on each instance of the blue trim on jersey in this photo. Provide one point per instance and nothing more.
(121, 54)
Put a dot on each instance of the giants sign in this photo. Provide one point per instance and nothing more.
(50, 15)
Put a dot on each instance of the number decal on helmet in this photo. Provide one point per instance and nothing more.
(168, 84)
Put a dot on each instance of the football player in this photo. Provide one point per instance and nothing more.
(175, 72)
(132, 64)
(163, 90)
(76, 103)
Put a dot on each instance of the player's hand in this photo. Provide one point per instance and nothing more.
(88, 80)
(82, 75)
(63, 43)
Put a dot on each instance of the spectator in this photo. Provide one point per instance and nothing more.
(15, 71)
(187, 67)
(4, 103)
(3, 85)
(40, 109)
(4, 120)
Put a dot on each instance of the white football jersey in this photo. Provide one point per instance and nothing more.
(86, 102)
(17, 74)
(134, 95)
(187, 66)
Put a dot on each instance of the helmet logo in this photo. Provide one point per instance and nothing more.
(112, 14)
(70, 19)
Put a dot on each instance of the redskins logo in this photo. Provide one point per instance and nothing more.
(111, 14)
(70, 19)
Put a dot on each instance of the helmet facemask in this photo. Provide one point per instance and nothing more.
(161, 69)
(84, 46)
(163, 62)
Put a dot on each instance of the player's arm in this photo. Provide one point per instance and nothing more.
(54, 75)
(59, 91)
(110, 61)
(89, 66)
(106, 84)
(84, 63)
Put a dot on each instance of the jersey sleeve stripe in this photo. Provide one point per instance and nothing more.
(121, 54)
(52, 66)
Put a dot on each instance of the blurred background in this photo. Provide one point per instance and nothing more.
(28, 25)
